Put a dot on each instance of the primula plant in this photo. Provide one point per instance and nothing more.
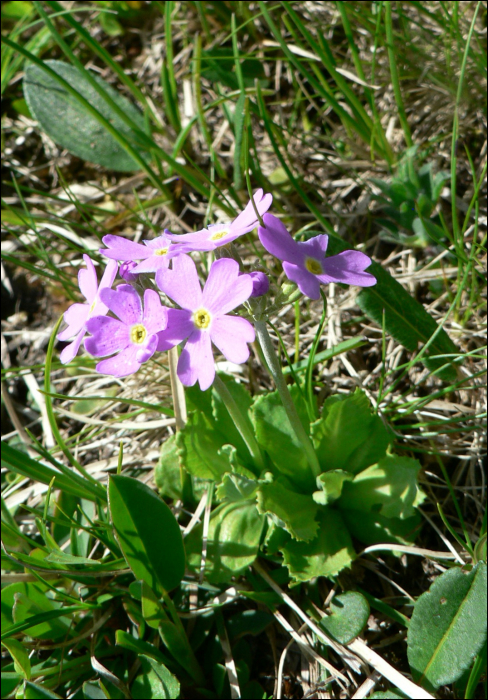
(291, 478)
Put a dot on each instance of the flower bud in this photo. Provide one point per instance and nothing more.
(125, 271)
(260, 284)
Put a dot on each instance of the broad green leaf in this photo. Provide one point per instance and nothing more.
(155, 681)
(167, 474)
(371, 528)
(248, 622)
(67, 122)
(330, 486)
(223, 420)
(148, 533)
(10, 681)
(139, 646)
(389, 488)
(237, 487)
(348, 617)
(448, 627)
(21, 463)
(405, 318)
(348, 436)
(199, 448)
(35, 691)
(387, 695)
(21, 601)
(326, 555)
(290, 510)
(275, 434)
(234, 537)
(20, 656)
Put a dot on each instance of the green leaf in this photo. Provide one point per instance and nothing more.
(448, 627)
(20, 656)
(35, 691)
(139, 646)
(199, 448)
(372, 528)
(326, 555)
(348, 436)
(275, 434)
(21, 601)
(348, 617)
(387, 694)
(388, 488)
(155, 681)
(405, 318)
(167, 474)
(290, 510)
(67, 122)
(248, 622)
(148, 533)
(330, 486)
(223, 420)
(233, 541)
(20, 463)
(237, 487)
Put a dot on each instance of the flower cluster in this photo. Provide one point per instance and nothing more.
(141, 326)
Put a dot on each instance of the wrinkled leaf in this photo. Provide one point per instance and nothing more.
(68, 123)
(371, 528)
(348, 617)
(388, 488)
(326, 555)
(234, 536)
(347, 435)
(448, 627)
(223, 420)
(330, 486)
(199, 448)
(290, 510)
(148, 533)
(275, 434)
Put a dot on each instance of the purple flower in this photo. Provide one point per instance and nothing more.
(260, 283)
(306, 264)
(78, 314)
(203, 318)
(220, 234)
(155, 254)
(134, 337)
(126, 271)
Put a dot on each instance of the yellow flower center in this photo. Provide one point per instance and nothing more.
(161, 251)
(92, 307)
(219, 235)
(201, 318)
(313, 266)
(138, 333)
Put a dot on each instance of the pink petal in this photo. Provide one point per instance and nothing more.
(315, 247)
(196, 361)
(181, 283)
(277, 241)
(120, 365)
(231, 334)
(247, 219)
(69, 352)
(307, 282)
(108, 336)
(179, 327)
(125, 302)
(109, 275)
(120, 248)
(225, 289)
(348, 268)
(75, 316)
(145, 353)
(87, 280)
(152, 264)
(163, 241)
(155, 317)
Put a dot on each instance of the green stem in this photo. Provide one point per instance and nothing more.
(291, 411)
(243, 426)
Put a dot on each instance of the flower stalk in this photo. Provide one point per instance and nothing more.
(242, 424)
(275, 370)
